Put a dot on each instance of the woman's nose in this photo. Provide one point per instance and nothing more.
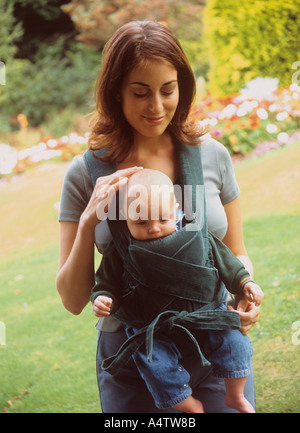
(156, 105)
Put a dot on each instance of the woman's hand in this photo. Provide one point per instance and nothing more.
(248, 311)
(103, 194)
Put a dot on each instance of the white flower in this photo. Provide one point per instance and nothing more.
(40, 155)
(294, 87)
(260, 88)
(274, 107)
(262, 113)
(282, 116)
(228, 112)
(282, 137)
(246, 107)
(271, 128)
(51, 143)
(73, 138)
(8, 158)
(208, 121)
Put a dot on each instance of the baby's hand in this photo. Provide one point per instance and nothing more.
(253, 293)
(102, 306)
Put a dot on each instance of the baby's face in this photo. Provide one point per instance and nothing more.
(158, 224)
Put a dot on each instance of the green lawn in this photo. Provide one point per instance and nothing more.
(48, 363)
(271, 211)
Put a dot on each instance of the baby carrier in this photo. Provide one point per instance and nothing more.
(176, 277)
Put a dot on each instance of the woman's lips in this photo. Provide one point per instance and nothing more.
(154, 120)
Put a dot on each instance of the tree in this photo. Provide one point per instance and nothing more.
(10, 32)
(97, 21)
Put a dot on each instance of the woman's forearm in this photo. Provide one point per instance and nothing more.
(75, 277)
(247, 263)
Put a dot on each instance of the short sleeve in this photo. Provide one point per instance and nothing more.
(229, 187)
(220, 184)
(76, 191)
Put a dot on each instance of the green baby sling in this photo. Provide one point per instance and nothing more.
(176, 270)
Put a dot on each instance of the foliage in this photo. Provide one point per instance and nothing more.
(249, 39)
(10, 33)
(48, 9)
(97, 21)
(56, 81)
(185, 20)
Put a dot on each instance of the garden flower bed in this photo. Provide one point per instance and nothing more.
(259, 118)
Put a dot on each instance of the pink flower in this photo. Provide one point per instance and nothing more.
(217, 133)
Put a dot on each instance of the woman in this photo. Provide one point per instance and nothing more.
(144, 92)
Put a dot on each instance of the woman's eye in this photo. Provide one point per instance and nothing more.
(140, 95)
(167, 93)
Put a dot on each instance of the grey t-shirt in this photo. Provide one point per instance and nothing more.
(220, 188)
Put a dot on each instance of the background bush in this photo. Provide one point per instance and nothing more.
(247, 39)
(57, 74)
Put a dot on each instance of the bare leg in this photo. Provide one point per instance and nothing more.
(235, 395)
(190, 405)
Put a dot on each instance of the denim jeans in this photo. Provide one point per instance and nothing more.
(164, 376)
(127, 392)
(228, 351)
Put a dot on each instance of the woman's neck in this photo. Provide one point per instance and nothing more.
(152, 146)
(157, 153)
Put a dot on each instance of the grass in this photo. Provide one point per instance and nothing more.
(48, 363)
(270, 203)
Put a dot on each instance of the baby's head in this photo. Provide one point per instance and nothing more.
(151, 205)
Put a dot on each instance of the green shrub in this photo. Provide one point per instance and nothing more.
(249, 39)
(56, 81)
(10, 33)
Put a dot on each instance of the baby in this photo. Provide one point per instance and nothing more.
(153, 213)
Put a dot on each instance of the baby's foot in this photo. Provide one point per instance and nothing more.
(241, 404)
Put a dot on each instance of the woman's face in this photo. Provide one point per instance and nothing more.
(150, 97)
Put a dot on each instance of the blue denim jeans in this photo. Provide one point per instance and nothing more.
(228, 351)
(166, 379)
(127, 392)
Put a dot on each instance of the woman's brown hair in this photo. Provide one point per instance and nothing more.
(132, 44)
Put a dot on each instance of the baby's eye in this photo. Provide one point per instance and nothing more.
(142, 223)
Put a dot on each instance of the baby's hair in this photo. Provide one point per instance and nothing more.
(154, 185)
